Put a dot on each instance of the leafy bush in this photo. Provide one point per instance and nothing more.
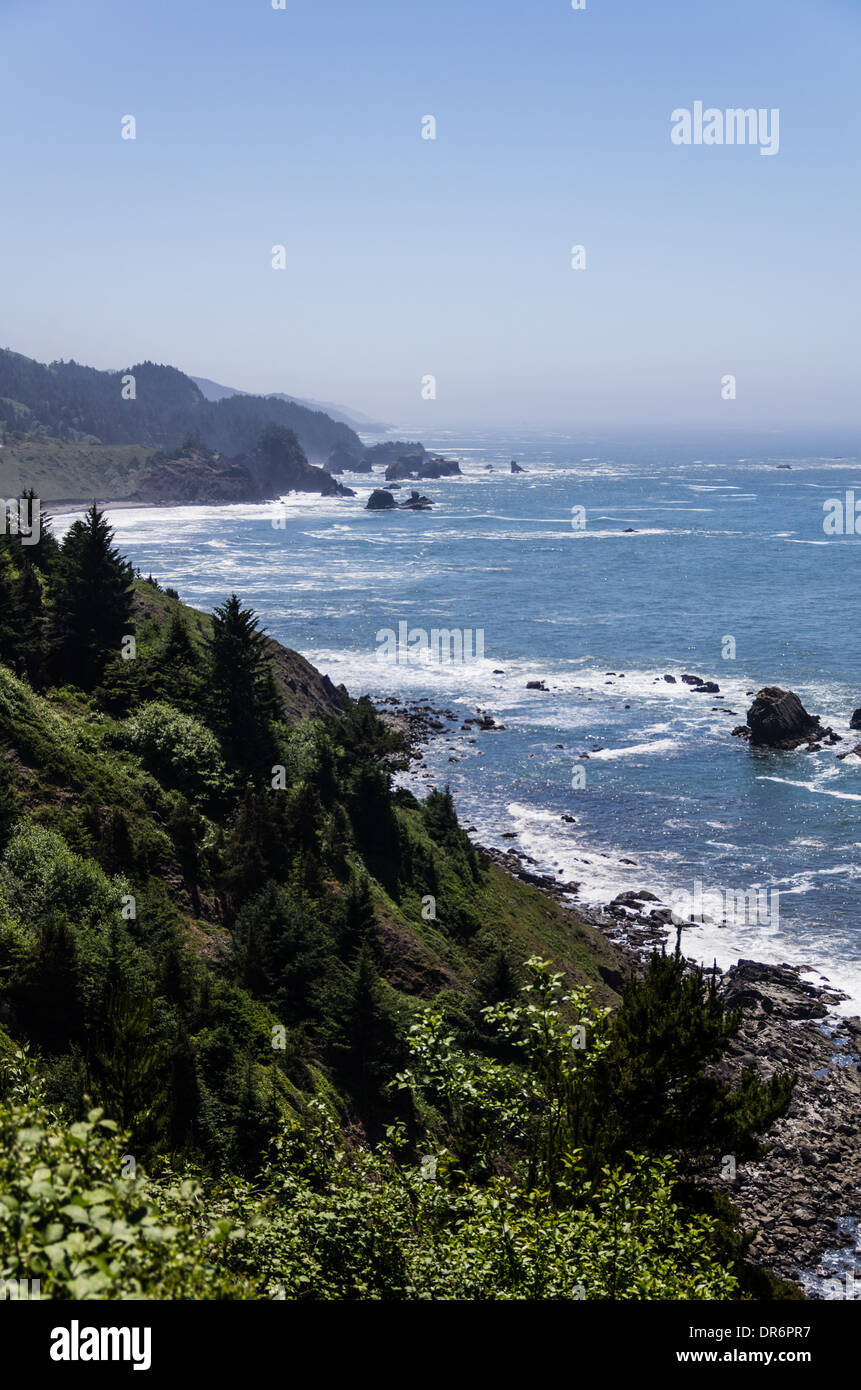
(340, 1224)
(71, 1219)
(178, 750)
(42, 878)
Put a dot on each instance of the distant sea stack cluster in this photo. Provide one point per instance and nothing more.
(152, 435)
(399, 459)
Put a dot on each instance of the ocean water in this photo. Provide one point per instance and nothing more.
(726, 572)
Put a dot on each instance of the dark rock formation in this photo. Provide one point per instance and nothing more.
(195, 478)
(405, 466)
(422, 466)
(279, 465)
(515, 467)
(380, 501)
(535, 685)
(855, 721)
(381, 455)
(778, 719)
(415, 503)
(792, 1196)
(342, 460)
(856, 750)
(194, 473)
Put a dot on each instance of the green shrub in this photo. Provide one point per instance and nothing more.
(178, 750)
(73, 1217)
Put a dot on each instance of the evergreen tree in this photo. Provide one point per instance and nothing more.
(92, 603)
(243, 699)
(128, 1066)
(655, 1089)
(360, 920)
(47, 994)
(178, 668)
(44, 551)
(368, 1045)
(10, 627)
(30, 621)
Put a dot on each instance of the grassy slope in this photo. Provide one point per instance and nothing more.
(62, 472)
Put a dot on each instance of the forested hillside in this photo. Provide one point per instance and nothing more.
(76, 404)
(271, 1028)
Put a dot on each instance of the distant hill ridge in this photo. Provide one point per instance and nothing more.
(356, 419)
(74, 403)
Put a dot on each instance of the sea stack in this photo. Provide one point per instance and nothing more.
(778, 719)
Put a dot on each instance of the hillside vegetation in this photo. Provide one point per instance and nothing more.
(70, 402)
(271, 1028)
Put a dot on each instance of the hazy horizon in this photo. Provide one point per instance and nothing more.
(408, 258)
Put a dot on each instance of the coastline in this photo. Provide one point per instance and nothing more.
(800, 1201)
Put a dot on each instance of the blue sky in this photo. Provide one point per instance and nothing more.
(408, 257)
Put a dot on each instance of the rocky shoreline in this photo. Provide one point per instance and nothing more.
(802, 1196)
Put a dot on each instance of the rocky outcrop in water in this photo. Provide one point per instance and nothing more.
(421, 466)
(382, 501)
(778, 719)
(515, 467)
(381, 455)
(415, 503)
(342, 460)
(855, 721)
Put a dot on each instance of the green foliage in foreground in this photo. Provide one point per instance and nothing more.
(71, 1219)
(335, 1223)
(327, 1221)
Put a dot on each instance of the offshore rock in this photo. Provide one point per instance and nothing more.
(778, 719)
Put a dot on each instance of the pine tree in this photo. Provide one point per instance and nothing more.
(128, 1066)
(243, 700)
(179, 668)
(10, 636)
(45, 550)
(92, 603)
(31, 621)
(368, 1045)
(360, 920)
(655, 1088)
